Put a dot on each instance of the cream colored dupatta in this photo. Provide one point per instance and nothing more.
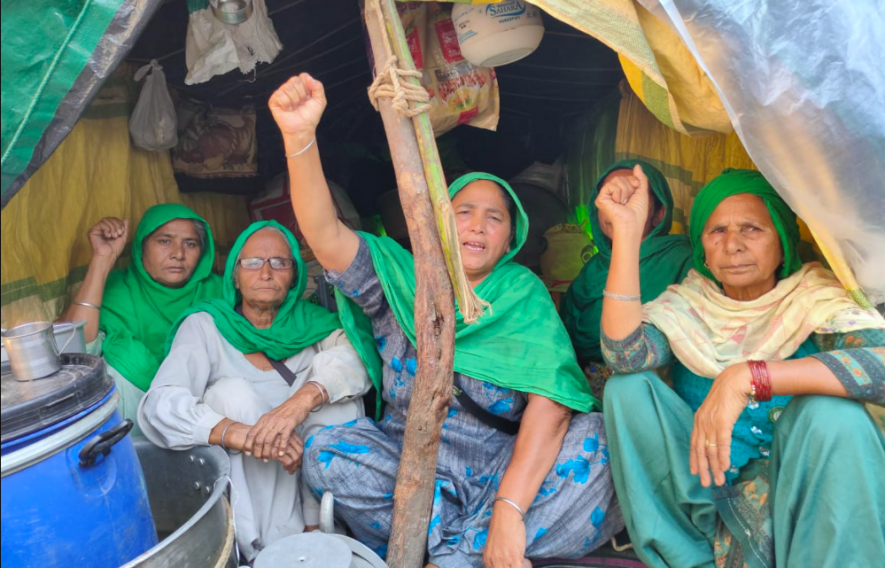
(709, 331)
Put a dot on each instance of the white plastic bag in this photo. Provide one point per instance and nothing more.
(153, 124)
(214, 48)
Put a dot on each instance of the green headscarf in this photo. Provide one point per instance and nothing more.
(137, 312)
(664, 259)
(298, 323)
(519, 343)
(734, 182)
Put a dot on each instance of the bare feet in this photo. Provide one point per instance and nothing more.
(311, 528)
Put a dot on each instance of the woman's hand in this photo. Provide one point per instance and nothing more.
(292, 455)
(624, 200)
(298, 106)
(714, 422)
(108, 238)
(237, 434)
(270, 438)
(505, 546)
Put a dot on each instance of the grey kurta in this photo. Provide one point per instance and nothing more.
(205, 379)
(575, 510)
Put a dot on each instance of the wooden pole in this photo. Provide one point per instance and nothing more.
(436, 183)
(470, 305)
(434, 328)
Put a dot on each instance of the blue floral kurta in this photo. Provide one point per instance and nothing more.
(575, 510)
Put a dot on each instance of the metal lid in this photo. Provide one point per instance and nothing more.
(307, 550)
(31, 406)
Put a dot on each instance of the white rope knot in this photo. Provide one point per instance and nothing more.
(392, 83)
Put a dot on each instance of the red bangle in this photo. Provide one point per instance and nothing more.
(761, 382)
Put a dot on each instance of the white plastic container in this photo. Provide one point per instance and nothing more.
(492, 35)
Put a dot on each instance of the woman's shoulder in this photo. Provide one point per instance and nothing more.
(202, 321)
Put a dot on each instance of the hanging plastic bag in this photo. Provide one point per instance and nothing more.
(215, 48)
(153, 124)
(460, 92)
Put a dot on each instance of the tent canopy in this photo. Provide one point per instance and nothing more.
(804, 98)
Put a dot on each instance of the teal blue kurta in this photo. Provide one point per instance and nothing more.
(817, 499)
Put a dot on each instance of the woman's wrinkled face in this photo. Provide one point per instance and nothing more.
(742, 247)
(265, 288)
(484, 228)
(171, 253)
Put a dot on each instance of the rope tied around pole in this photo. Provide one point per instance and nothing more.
(393, 82)
(389, 84)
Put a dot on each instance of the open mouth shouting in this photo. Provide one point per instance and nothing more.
(473, 246)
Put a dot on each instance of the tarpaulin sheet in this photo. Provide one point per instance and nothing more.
(56, 54)
(660, 68)
(802, 81)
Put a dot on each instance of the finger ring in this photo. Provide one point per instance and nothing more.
(709, 444)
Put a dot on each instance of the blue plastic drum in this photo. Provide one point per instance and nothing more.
(73, 493)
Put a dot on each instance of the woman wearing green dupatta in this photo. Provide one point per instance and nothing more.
(762, 453)
(664, 259)
(129, 312)
(256, 372)
(500, 498)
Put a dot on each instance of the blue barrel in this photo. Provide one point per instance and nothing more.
(72, 491)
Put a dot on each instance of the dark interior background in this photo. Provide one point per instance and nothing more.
(541, 95)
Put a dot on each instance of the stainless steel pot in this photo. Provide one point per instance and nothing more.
(32, 350)
(186, 490)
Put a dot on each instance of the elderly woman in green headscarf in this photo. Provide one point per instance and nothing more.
(518, 475)
(762, 453)
(256, 372)
(129, 312)
(664, 259)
